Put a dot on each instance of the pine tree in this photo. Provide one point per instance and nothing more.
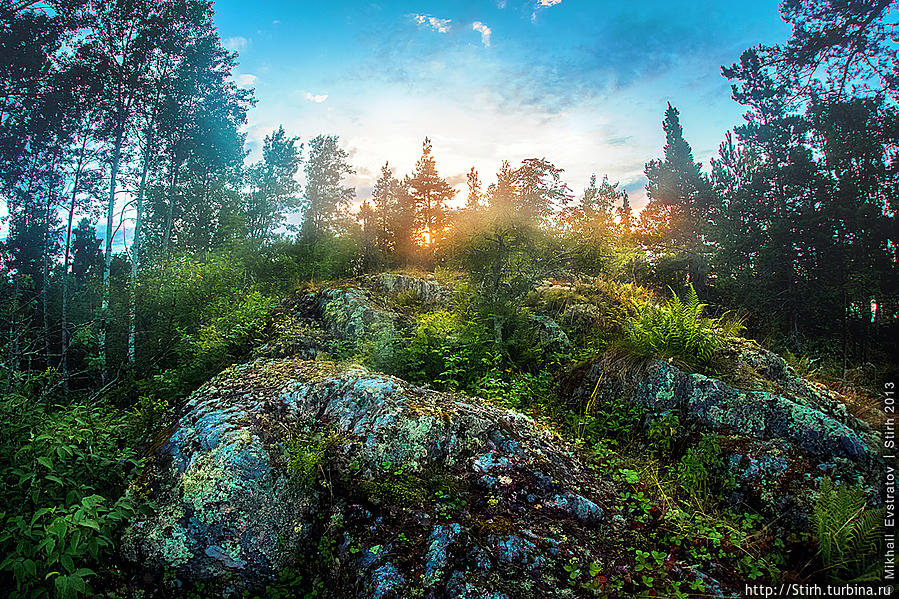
(326, 200)
(430, 193)
(680, 199)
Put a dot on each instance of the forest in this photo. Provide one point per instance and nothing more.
(527, 332)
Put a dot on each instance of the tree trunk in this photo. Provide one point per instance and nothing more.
(135, 250)
(110, 214)
(170, 211)
(45, 283)
(64, 338)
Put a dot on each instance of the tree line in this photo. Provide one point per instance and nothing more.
(126, 113)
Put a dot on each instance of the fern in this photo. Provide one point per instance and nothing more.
(677, 329)
(848, 533)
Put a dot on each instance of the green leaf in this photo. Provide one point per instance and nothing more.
(67, 562)
(91, 523)
(45, 461)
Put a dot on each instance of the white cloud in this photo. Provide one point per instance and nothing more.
(543, 4)
(439, 25)
(484, 30)
(317, 98)
(235, 43)
(245, 80)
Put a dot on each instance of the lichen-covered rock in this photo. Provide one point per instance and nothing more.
(428, 291)
(778, 438)
(771, 371)
(419, 490)
(583, 316)
(550, 337)
(717, 406)
(351, 315)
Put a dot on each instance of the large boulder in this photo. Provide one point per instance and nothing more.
(779, 433)
(418, 491)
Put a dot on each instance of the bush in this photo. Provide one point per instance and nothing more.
(678, 330)
(62, 492)
(444, 349)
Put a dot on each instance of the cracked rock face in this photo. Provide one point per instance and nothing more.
(718, 406)
(782, 436)
(428, 291)
(481, 491)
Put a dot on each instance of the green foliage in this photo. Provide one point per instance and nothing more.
(516, 390)
(662, 432)
(849, 534)
(697, 468)
(734, 539)
(677, 329)
(442, 348)
(62, 494)
(213, 314)
(306, 454)
(613, 424)
(408, 298)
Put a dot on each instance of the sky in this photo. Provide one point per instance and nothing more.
(582, 83)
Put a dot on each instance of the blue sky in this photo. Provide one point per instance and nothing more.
(582, 83)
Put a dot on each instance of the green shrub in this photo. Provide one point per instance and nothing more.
(408, 298)
(444, 349)
(62, 495)
(849, 534)
(697, 468)
(677, 329)
(610, 425)
(661, 433)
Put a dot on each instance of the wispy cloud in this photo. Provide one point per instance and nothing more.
(317, 98)
(439, 25)
(245, 80)
(484, 31)
(235, 43)
(543, 4)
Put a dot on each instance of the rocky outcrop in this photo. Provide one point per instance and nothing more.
(382, 489)
(717, 406)
(417, 490)
(779, 434)
(426, 290)
(551, 339)
(351, 315)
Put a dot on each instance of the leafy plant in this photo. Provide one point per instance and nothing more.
(662, 432)
(696, 468)
(63, 500)
(677, 329)
(848, 533)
